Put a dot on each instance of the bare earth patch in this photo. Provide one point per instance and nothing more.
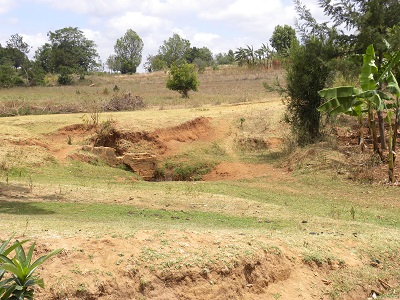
(179, 265)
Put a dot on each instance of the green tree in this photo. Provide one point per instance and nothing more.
(43, 57)
(8, 76)
(128, 52)
(225, 58)
(112, 63)
(203, 54)
(68, 48)
(282, 38)
(183, 78)
(174, 50)
(18, 50)
(155, 63)
(307, 73)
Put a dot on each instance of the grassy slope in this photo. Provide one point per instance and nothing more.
(308, 210)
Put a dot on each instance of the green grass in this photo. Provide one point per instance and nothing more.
(137, 218)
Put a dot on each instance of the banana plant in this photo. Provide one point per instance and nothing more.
(22, 280)
(370, 99)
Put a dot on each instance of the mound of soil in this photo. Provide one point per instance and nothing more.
(180, 266)
(159, 142)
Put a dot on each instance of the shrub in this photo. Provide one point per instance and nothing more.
(183, 79)
(308, 71)
(6, 76)
(183, 171)
(65, 76)
(124, 101)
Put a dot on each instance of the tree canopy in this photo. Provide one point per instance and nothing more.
(172, 51)
(372, 21)
(282, 38)
(128, 53)
(183, 78)
(68, 49)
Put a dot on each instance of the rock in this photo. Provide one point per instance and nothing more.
(143, 164)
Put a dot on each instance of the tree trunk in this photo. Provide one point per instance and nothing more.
(396, 127)
(361, 134)
(391, 156)
(372, 128)
(381, 123)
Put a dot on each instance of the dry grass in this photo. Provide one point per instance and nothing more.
(226, 85)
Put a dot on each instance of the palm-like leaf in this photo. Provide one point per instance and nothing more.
(22, 270)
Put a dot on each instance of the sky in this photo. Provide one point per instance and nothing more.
(219, 25)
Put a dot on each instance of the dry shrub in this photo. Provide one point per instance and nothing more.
(251, 144)
(124, 101)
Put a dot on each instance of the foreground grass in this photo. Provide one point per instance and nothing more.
(86, 192)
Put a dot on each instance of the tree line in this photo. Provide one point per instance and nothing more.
(68, 52)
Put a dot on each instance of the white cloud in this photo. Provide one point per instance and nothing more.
(6, 5)
(202, 38)
(98, 7)
(35, 41)
(138, 22)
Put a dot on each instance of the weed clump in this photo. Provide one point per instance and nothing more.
(171, 171)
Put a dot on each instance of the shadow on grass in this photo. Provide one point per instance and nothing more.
(22, 208)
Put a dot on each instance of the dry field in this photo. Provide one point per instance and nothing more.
(256, 222)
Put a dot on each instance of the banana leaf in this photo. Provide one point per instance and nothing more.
(368, 70)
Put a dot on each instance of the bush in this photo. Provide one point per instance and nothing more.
(308, 71)
(183, 78)
(64, 76)
(8, 77)
(182, 171)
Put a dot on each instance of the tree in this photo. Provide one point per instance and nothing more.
(225, 58)
(250, 57)
(308, 70)
(43, 57)
(183, 78)
(18, 50)
(68, 48)
(174, 50)
(203, 53)
(112, 63)
(128, 52)
(307, 73)
(282, 38)
(155, 63)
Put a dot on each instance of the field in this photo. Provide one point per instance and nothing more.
(255, 217)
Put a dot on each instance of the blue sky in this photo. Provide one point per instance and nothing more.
(219, 25)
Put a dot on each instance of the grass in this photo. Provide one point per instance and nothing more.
(226, 85)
